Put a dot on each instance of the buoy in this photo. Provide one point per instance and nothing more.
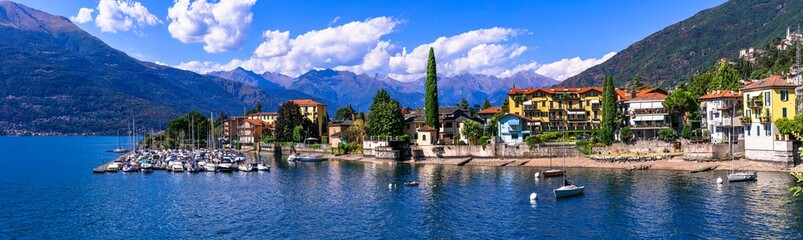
(537, 174)
(719, 180)
(390, 185)
(533, 196)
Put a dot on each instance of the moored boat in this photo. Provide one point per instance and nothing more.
(411, 183)
(553, 173)
(113, 167)
(742, 176)
(568, 191)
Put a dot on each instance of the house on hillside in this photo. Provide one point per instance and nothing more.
(553, 109)
(250, 131)
(644, 111)
(314, 111)
(488, 113)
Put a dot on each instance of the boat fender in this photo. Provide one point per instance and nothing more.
(719, 180)
(533, 196)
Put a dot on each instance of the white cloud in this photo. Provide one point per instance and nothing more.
(199, 67)
(568, 67)
(333, 21)
(359, 47)
(221, 26)
(84, 15)
(122, 15)
(342, 47)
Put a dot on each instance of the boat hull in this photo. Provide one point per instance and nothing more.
(553, 173)
(309, 159)
(567, 191)
(741, 177)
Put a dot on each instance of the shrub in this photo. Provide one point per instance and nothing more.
(407, 137)
(584, 146)
(461, 142)
(315, 146)
(687, 132)
(667, 134)
(549, 136)
(533, 140)
(484, 140)
(626, 135)
(606, 132)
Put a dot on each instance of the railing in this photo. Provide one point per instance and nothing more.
(566, 96)
(651, 125)
(650, 111)
(555, 118)
(595, 106)
(755, 104)
(765, 118)
(568, 128)
(530, 108)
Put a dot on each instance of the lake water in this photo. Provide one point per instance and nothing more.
(49, 191)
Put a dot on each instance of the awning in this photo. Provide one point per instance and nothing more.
(577, 112)
(594, 101)
(513, 122)
(648, 118)
(528, 103)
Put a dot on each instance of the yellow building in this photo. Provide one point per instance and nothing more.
(557, 108)
(313, 111)
(765, 101)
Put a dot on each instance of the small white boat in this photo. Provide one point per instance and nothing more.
(113, 167)
(246, 168)
(263, 167)
(742, 176)
(553, 173)
(210, 167)
(176, 168)
(225, 167)
(146, 167)
(130, 168)
(568, 191)
(291, 158)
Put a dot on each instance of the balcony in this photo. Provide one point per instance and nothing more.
(555, 118)
(647, 111)
(755, 104)
(595, 106)
(651, 125)
(746, 119)
(530, 108)
(765, 118)
(566, 97)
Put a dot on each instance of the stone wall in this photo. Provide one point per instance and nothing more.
(495, 151)
(711, 151)
(386, 153)
(639, 147)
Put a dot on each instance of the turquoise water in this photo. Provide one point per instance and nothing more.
(49, 191)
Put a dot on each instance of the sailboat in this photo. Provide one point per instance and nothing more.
(737, 176)
(568, 189)
(119, 149)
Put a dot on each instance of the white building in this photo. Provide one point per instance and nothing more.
(717, 107)
(513, 129)
(645, 112)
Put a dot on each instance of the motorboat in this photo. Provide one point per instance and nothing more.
(130, 168)
(113, 167)
(554, 173)
(210, 167)
(411, 184)
(246, 167)
(263, 167)
(176, 167)
(308, 159)
(742, 176)
(146, 167)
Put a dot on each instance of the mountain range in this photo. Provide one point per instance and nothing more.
(339, 88)
(57, 79)
(692, 46)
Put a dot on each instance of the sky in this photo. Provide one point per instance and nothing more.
(557, 39)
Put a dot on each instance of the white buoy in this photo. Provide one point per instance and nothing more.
(533, 196)
(719, 180)
(537, 174)
(390, 185)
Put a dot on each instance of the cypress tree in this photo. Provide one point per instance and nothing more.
(431, 100)
(608, 111)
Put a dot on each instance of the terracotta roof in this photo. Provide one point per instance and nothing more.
(255, 121)
(490, 110)
(306, 102)
(722, 94)
(771, 81)
(519, 116)
(644, 94)
(264, 114)
(528, 91)
(426, 128)
(649, 96)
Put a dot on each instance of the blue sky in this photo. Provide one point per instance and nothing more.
(554, 38)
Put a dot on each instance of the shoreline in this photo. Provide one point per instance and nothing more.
(671, 164)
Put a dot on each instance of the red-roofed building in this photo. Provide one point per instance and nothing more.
(552, 109)
(645, 112)
(269, 117)
(487, 113)
(717, 107)
(251, 130)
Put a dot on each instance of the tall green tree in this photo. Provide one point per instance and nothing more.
(609, 111)
(345, 113)
(431, 97)
(680, 102)
(725, 78)
(257, 108)
(463, 104)
(386, 116)
(638, 83)
(193, 125)
(506, 105)
(486, 104)
(289, 117)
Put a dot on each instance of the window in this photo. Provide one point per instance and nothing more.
(758, 129)
(424, 137)
(515, 103)
(551, 105)
(747, 130)
(560, 104)
(784, 96)
(767, 98)
(448, 125)
(588, 103)
(514, 136)
(767, 130)
(543, 104)
(783, 112)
